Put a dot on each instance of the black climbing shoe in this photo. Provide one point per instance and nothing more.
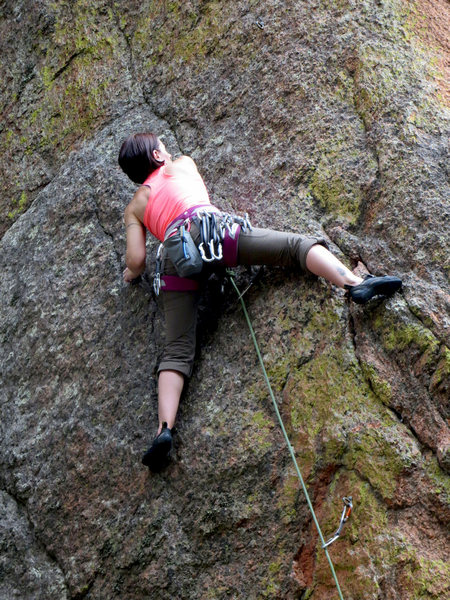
(373, 286)
(156, 458)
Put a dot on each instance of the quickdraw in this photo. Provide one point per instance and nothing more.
(215, 229)
(157, 278)
(210, 236)
(348, 506)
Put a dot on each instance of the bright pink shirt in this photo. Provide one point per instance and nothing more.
(170, 196)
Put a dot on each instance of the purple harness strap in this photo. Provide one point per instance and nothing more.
(230, 248)
(173, 283)
(187, 214)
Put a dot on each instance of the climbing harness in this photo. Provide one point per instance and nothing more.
(347, 511)
(219, 234)
(349, 506)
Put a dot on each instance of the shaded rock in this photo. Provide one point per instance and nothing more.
(26, 570)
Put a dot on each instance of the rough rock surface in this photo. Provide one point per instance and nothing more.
(323, 117)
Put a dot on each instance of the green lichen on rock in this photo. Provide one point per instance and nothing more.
(335, 184)
(328, 384)
(335, 414)
(257, 438)
(271, 584)
(332, 397)
(333, 194)
(439, 482)
(422, 338)
(290, 496)
(385, 70)
(380, 453)
(357, 551)
(398, 334)
(74, 100)
(380, 386)
(278, 372)
(371, 543)
(79, 72)
(442, 373)
(186, 35)
(18, 206)
(424, 578)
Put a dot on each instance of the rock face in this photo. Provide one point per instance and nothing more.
(321, 117)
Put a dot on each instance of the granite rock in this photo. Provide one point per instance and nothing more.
(329, 118)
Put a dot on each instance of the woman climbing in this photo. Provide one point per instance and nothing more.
(173, 204)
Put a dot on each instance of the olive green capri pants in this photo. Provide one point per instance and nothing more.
(255, 247)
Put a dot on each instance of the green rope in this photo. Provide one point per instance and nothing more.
(283, 429)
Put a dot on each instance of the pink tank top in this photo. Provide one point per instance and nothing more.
(170, 196)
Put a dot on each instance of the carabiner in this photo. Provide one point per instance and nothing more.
(215, 256)
(184, 242)
(157, 283)
(157, 277)
(203, 253)
(347, 511)
(247, 225)
(205, 229)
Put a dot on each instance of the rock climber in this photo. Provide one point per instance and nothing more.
(172, 203)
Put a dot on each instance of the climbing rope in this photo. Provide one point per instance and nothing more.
(289, 445)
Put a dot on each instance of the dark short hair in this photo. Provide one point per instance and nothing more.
(136, 156)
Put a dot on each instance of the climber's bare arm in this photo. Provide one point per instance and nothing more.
(135, 230)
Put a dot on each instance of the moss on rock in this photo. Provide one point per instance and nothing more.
(399, 334)
(18, 206)
(380, 386)
(186, 36)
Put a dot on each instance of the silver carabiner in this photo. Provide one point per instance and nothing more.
(157, 283)
(348, 506)
(203, 253)
(229, 224)
(215, 256)
(157, 277)
(247, 223)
